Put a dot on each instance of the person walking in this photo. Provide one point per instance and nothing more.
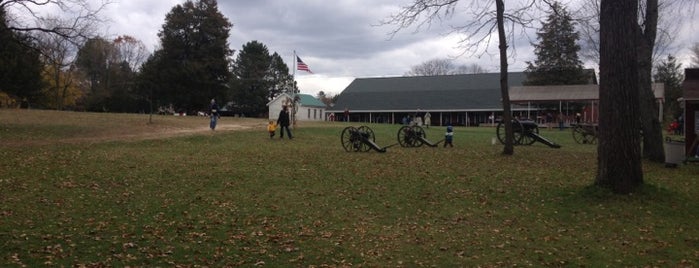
(213, 108)
(283, 123)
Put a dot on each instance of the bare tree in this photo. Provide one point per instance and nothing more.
(477, 33)
(58, 55)
(326, 98)
(443, 66)
(130, 50)
(472, 68)
(26, 17)
(432, 67)
(588, 16)
(588, 22)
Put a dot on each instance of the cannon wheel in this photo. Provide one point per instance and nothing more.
(404, 136)
(582, 136)
(418, 131)
(407, 136)
(526, 139)
(350, 140)
(500, 131)
(370, 135)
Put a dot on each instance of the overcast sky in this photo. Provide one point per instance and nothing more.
(338, 39)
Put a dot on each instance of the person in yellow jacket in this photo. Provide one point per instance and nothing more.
(271, 128)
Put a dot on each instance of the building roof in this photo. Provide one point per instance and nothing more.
(310, 101)
(566, 93)
(304, 100)
(466, 92)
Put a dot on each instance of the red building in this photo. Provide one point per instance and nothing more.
(690, 87)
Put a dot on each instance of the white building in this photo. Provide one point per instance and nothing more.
(309, 108)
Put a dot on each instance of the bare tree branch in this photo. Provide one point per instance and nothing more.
(78, 24)
(476, 34)
(671, 14)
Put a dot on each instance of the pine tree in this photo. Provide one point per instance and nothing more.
(251, 83)
(669, 72)
(258, 78)
(193, 64)
(281, 80)
(557, 61)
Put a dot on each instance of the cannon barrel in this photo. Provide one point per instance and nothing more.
(526, 132)
(360, 139)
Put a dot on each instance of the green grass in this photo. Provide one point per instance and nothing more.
(112, 190)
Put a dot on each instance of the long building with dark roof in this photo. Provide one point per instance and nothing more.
(468, 99)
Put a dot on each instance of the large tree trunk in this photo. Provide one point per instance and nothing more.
(504, 90)
(650, 123)
(619, 149)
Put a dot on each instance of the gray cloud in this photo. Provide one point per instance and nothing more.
(338, 39)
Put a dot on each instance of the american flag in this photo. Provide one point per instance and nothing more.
(301, 66)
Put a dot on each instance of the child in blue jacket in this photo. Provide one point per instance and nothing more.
(449, 137)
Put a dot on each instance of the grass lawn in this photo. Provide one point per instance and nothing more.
(87, 189)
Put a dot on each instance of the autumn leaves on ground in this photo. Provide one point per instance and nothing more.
(90, 189)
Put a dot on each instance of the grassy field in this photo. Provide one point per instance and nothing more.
(95, 190)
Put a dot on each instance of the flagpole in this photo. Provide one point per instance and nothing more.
(293, 93)
(294, 65)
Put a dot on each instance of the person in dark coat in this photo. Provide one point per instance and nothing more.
(213, 108)
(283, 123)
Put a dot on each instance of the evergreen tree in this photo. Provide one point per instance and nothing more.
(251, 84)
(557, 61)
(281, 80)
(669, 72)
(193, 64)
(20, 65)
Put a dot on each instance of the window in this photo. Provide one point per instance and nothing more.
(309, 114)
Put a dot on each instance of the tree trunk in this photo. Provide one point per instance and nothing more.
(650, 123)
(504, 90)
(619, 149)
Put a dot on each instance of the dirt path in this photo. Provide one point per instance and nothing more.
(169, 132)
(36, 127)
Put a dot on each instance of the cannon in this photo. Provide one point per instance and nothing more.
(584, 133)
(526, 132)
(414, 136)
(360, 139)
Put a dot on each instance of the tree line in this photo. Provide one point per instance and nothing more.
(45, 67)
